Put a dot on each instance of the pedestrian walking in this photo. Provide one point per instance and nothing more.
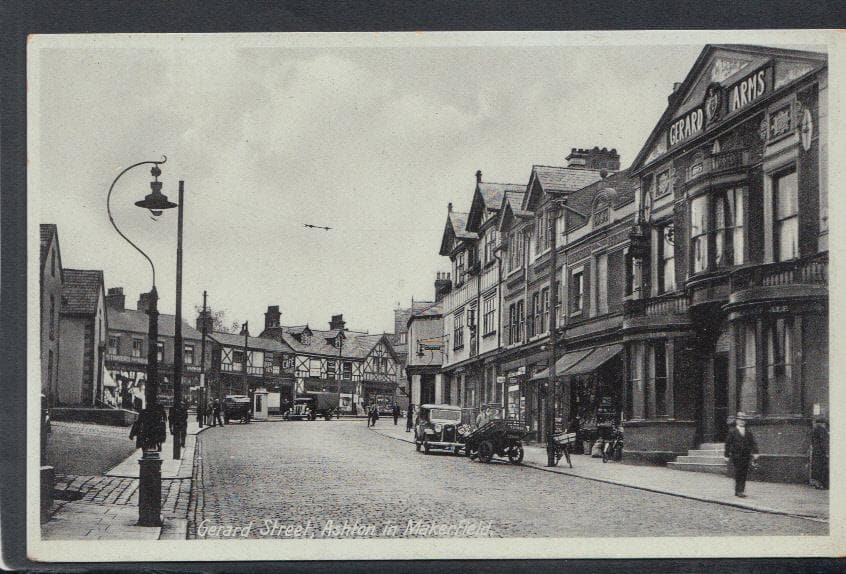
(201, 414)
(741, 450)
(216, 420)
(819, 453)
(409, 418)
(374, 415)
(396, 413)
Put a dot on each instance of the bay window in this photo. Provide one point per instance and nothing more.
(667, 260)
(728, 227)
(746, 370)
(779, 365)
(699, 233)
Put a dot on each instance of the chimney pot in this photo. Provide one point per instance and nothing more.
(449, 207)
(479, 176)
(115, 299)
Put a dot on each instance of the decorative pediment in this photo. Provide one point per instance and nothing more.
(725, 81)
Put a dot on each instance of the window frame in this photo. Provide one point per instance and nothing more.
(779, 222)
(186, 350)
(489, 315)
(140, 348)
(577, 284)
(458, 330)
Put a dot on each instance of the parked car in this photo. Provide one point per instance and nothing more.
(436, 427)
(237, 407)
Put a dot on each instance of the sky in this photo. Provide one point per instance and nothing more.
(372, 138)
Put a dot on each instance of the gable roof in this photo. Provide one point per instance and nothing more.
(551, 179)
(456, 228)
(47, 232)
(724, 65)
(512, 203)
(81, 291)
(434, 310)
(488, 198)
(134, 321)
(260, 343)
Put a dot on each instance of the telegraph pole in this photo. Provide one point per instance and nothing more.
(179, 349)
(201, 404)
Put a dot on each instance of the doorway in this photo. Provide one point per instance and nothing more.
(721, 412)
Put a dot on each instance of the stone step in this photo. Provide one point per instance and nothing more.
(718, 468)
(703, 459)
(700, 452)
(712, 445)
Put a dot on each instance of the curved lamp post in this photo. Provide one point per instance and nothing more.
(151, 418)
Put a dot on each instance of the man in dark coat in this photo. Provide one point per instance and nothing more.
(409, 420)
(396, 413)
(740, 449)
(179, 422)
(819, 453)
(216, 413)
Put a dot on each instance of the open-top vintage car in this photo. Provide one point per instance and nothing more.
(437, 428)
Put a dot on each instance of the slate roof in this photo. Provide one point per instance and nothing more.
(261, 343)
(433, 310)
(135, 321)
(582, 200)
(81, 289)
(48, 230)
(515, 198)
(493, 193)
(564, 179)
(459, 225)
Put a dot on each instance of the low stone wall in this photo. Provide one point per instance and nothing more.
(113, 417)
(657, 441)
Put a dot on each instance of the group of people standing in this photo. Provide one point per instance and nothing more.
(150, 426)
(373, 414)
(210, 415)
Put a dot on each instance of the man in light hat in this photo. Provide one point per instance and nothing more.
(740, 449)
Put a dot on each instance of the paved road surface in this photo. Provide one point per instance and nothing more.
(310, 473)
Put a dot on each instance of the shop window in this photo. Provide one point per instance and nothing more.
(699, 233)
(578, 292)
(667, 260)
(779, 367)
(786, 196)
(746, 371)
(635, 383)
(601, 282)
(458, 330)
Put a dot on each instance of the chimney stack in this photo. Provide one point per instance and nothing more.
(449, 207)
(143, 301)
(479, 176)
(245, 328)
(443, 285)
(115, 299)
(595, 158)
(337, 322)
(207, 319)
(272, 317)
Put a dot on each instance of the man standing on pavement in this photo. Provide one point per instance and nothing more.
(396, 413)
(179, 422)
(409, 421)
(216, 420)
(741, 449)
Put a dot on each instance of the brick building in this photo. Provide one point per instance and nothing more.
(729, 310)
(50, 291)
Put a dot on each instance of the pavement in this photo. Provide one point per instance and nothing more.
(339, 479)
(776, 498)
(105, 507)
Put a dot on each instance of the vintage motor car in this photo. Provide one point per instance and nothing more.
(312, 405)
(437, 428)
(236, 407)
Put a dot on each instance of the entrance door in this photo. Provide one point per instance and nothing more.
(721, 412)
(427, 389)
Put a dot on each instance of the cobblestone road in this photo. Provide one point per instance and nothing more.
(310, 473)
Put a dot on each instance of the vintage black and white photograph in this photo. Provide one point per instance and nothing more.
(317, 296)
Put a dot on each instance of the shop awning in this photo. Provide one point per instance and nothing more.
(596, 359)
(565, 362)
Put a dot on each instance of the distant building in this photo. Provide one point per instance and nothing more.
(126, 351)
(362, 367)
(50, 283)
(84, 323)
(399, 339)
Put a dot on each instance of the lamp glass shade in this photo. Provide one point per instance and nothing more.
(156, 201)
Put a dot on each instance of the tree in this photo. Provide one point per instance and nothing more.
(219, 320)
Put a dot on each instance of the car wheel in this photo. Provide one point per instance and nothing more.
(486, 451)
(426, 445)
(226, 420)
(417, 444)
(515, 454)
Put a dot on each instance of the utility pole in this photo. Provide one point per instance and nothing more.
(179, 348)
(201, 404)
(246, 336)
(552, 390)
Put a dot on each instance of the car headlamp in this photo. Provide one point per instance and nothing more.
(438, 427)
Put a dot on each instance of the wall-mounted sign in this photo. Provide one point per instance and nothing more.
(747, 90)
(713, 102)
(780, 122)
(686, 126)
(662, 185)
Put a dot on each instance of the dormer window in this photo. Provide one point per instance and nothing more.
(305, 339)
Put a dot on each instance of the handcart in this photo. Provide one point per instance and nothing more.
(498, 437)
(560, 443)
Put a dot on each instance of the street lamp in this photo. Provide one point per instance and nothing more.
(150, 488)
